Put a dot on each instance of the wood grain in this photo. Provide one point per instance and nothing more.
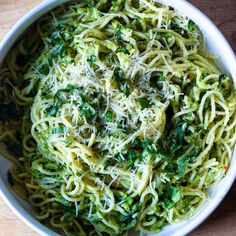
(223, 13)
(11, 225)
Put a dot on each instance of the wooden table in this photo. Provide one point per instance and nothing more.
(223, 13)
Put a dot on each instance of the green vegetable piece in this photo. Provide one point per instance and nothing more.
(136, 143)
(60, 26)
(94, 218)
(182, 163)
(180, 133)
(169, 37)
(119, 74)
(107, 163)
(122, 84)
(58, 49)
(118, 35)
(44, 70)
(71, 88)
(57, 130)
(144, 103)
(127, 203)
(86, 110)
(51, 166)
(136, 207)
(68, 142)
(91, 59)
(125, 88)
(52, 111)
(160, 76)
(174, 25)
(205, 74)
(221, 78)
(108, 116)
(191, 26)
(146, 143)
(123, 50)
(149, 146)
(120, 157)
(173, 196)
(131, 158)
(116, 5)
(132, 154)
(91, 3)
(177, 137)
(37, 174)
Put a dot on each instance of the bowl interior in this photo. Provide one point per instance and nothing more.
(215, 43)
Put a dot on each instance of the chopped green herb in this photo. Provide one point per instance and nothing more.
(108, 116)
(58, 49)
(120, 157)
(144, 103)
(177, 137)
(127, 203)
(52, 111)
(91, 59)
(118, 35)
(125, 88)
(51, 166)
(148, 145)
(182, 163)
(91, 3)
(37, 174)
(44, 70)
(191, 26)
(160, 76)
(57, 130)
(205, 74)
(129, 158)
(123, 50)
(86, 110)
(221, 78)
(180, 133)
(107, 163)
(68, 142)
(173, 195)
(119, 74)
(94, 218)
(174, 25)
(169, 37)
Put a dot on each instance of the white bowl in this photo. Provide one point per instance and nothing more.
(215, 42)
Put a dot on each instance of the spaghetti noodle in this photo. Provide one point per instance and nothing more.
(115, 118)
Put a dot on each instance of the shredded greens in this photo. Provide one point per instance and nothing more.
(115, 118)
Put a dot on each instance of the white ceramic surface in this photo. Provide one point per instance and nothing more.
(215, 43)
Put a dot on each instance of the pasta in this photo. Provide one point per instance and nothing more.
(115, 118)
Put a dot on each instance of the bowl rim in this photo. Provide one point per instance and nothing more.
(189, 10)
